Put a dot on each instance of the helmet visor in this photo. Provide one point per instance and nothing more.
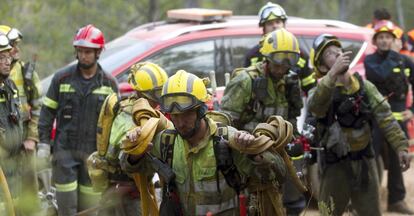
(173, 103)
(276, 11)
(284, 58)
(14, 34)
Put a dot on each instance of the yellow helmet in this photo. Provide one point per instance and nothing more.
(319, 45)
(183, 91)
(280, 47)
(147, 78)
(13, 34)
(4, 43)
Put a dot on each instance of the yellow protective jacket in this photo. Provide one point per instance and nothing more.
(30, 110)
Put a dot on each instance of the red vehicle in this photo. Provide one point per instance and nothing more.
(216, 44)
(202, 41)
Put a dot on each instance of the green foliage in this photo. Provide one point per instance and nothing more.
(48, 26)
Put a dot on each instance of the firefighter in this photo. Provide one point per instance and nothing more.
(382, 14)
(146, 79)
(392, 73)
(198, 185)
(265, 89)
(345, 107)
(28, 84)
(74, 99)
(272, 17)
(11, 134)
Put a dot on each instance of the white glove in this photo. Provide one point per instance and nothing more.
(43, 150)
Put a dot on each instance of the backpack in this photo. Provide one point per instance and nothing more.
(109, 110)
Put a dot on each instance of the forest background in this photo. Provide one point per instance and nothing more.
(48, 26)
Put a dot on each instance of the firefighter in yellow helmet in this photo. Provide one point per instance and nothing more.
(28, 84)
(272, 17)
(346, 106)
(11, 136)
(198, 185)
(392, 73)
(265, 89)
(121, 195)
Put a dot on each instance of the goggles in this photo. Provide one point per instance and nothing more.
(276, 11)
(153, 94)
(178, 102)
(14, 34)
(322, 40)
(284, 58)
(4, 41)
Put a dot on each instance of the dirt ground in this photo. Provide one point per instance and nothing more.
(409, 184)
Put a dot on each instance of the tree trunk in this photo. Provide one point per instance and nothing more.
(152, 10)
(191, 4)
(400, 14)
(342, 10)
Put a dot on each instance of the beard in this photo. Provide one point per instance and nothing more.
(4, 76)
(86, 66)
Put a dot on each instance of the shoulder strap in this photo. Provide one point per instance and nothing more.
(224, 160)
(167, 145)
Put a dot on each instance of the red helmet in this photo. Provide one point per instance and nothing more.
(89, 36)
(385, 26)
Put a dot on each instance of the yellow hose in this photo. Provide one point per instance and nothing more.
(5, 188)
(151, 121)
(148, 200)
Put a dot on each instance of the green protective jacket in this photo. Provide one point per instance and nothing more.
(195, 170)
(320, 100)
(30, 104)
(240, 100)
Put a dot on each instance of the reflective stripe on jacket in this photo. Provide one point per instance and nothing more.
(76, 112)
